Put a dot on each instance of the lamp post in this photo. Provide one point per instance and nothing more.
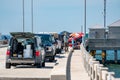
(23, 15)
(84, 19)
(104, 13)
(32, 14)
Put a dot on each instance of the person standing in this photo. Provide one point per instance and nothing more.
(72, 42)
(65, 39)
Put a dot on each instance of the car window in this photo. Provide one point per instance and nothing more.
(25, 41)
(45, 38)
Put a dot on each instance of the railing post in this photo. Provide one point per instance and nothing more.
(110, 75)
(95, 70)
(92, 61)
(88, 57)
(99, 73)
(89, 66)
(104, 72)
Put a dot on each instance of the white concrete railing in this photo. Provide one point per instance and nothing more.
(95, 70)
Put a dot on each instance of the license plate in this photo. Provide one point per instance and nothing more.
(14, 55)
(19, 56)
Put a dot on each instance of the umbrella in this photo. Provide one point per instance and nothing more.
(76, 35)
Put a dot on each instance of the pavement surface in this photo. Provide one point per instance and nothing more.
(26, 71)
(78, 71)
(2, 57)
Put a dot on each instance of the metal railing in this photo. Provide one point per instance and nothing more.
(95, 70)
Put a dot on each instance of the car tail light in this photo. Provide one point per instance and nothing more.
(8, 52)
(37, 53)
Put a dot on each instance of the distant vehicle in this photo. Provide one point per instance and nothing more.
(25, 48)
(58, 46)
(49, 45)
(60, 37)
(3, 39)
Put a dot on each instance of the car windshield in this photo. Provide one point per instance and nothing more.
(46, 38)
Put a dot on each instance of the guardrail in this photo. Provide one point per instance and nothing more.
(95, 70)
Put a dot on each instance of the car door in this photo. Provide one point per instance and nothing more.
(40, 47)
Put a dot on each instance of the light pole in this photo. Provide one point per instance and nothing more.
(32, 14)
(81, 28)
(104, 13)
(23, 16)
(84, 19)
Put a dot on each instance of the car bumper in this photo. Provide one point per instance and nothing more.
(21, 61)
(49, 54)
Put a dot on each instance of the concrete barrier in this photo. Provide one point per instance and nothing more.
(12, 78)
(68, 67)
(60, 71)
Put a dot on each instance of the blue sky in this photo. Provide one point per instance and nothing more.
(55, 15)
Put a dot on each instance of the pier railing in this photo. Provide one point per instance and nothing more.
(95, 70)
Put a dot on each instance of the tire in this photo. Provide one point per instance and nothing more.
(8, 65)
(43, 64)
(52, 59)
(39, 65)
(60, 51)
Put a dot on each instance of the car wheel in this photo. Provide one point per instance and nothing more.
(8, 65)
(52, 59)
(43, 64)
(39, 65)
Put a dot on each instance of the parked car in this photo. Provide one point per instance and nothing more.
(58, 46)
(49, 45)
(24, 48)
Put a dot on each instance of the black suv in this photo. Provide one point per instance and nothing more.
(49, 45)
(24, 48)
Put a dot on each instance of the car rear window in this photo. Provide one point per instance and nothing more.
(26, 40)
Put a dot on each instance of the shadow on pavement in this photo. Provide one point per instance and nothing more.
(59, 56)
